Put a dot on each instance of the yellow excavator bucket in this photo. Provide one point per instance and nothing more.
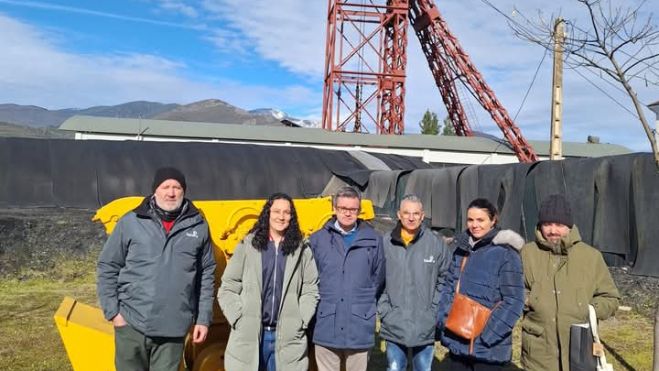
(89, 338)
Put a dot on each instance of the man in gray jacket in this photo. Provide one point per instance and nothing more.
(155, 277)
(416, 261)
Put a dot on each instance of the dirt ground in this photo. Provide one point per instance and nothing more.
(33, 240)
(46, 254)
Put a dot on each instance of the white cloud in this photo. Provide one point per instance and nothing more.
(292, 33)
(289, 32)
(35, 69)
(180, 7)
(228, 41)
(80, 10)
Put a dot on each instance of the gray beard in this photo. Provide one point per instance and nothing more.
(166, 214)
(178, 205)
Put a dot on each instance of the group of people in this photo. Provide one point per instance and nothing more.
(286, 297)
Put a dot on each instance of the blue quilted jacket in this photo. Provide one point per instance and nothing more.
(492, 274)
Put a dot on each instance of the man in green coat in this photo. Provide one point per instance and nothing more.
(562, 276)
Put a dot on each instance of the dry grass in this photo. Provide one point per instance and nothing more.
(28, 336)
(628, 338)
(29, 339)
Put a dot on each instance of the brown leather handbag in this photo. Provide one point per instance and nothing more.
(467, 317)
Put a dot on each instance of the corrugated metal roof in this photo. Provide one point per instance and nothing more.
(206, 131)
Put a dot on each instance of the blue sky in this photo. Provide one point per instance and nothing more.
(262, 53)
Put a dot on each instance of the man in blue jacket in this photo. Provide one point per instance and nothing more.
(351, 267)
(155, 278)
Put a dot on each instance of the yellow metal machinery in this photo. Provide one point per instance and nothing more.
(89, 338)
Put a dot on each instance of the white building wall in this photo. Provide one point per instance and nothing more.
(427, 155)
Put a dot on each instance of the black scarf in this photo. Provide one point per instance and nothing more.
(165, 215)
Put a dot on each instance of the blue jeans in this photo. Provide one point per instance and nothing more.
(267, 356)
(421, 357)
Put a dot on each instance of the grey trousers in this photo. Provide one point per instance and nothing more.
(136, 352)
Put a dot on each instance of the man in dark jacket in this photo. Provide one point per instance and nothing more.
(350, 260)
(562, 276)
(416, 261)
(155, 277)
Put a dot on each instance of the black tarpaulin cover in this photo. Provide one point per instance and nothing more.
(445, 198)
(382, 188)
(89, 174)
(615, 200)
(644, 223)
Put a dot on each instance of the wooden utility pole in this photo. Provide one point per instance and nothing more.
(556, 143)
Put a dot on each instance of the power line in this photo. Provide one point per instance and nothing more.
(615, 86)
(605, 93)
(598, 75)
(647, 64)
(513, 21)
(531, 85)
(544, 55)
(510, 19)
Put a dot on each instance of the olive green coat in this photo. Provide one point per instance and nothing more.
(561, 281)
(239, 297)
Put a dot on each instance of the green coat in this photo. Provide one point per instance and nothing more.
(561, 281)
(239, 297)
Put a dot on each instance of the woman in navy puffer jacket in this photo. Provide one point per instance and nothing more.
(493, 277)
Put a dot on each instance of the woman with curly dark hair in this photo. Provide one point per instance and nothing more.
(282, 219)
(269, 293)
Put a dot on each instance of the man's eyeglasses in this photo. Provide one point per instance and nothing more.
(347, 210)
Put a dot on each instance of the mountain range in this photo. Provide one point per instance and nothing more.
(210, 110)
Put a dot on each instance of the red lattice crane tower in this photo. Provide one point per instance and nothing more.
(365, 67)
(365, 70)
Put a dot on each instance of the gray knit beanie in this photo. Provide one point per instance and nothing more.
(556, 209)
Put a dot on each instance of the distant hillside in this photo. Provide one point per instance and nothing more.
(18, 131)
(40, 117)
(31, 115)
(211, 110)
(138, 109)
(217, 111)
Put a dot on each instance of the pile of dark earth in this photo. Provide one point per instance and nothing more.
(37, 239)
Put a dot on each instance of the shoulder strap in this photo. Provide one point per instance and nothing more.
(592, 317)
(462, 268)
(598, 348)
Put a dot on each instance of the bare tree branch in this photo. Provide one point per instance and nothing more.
(639, 61)
(616, 42)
